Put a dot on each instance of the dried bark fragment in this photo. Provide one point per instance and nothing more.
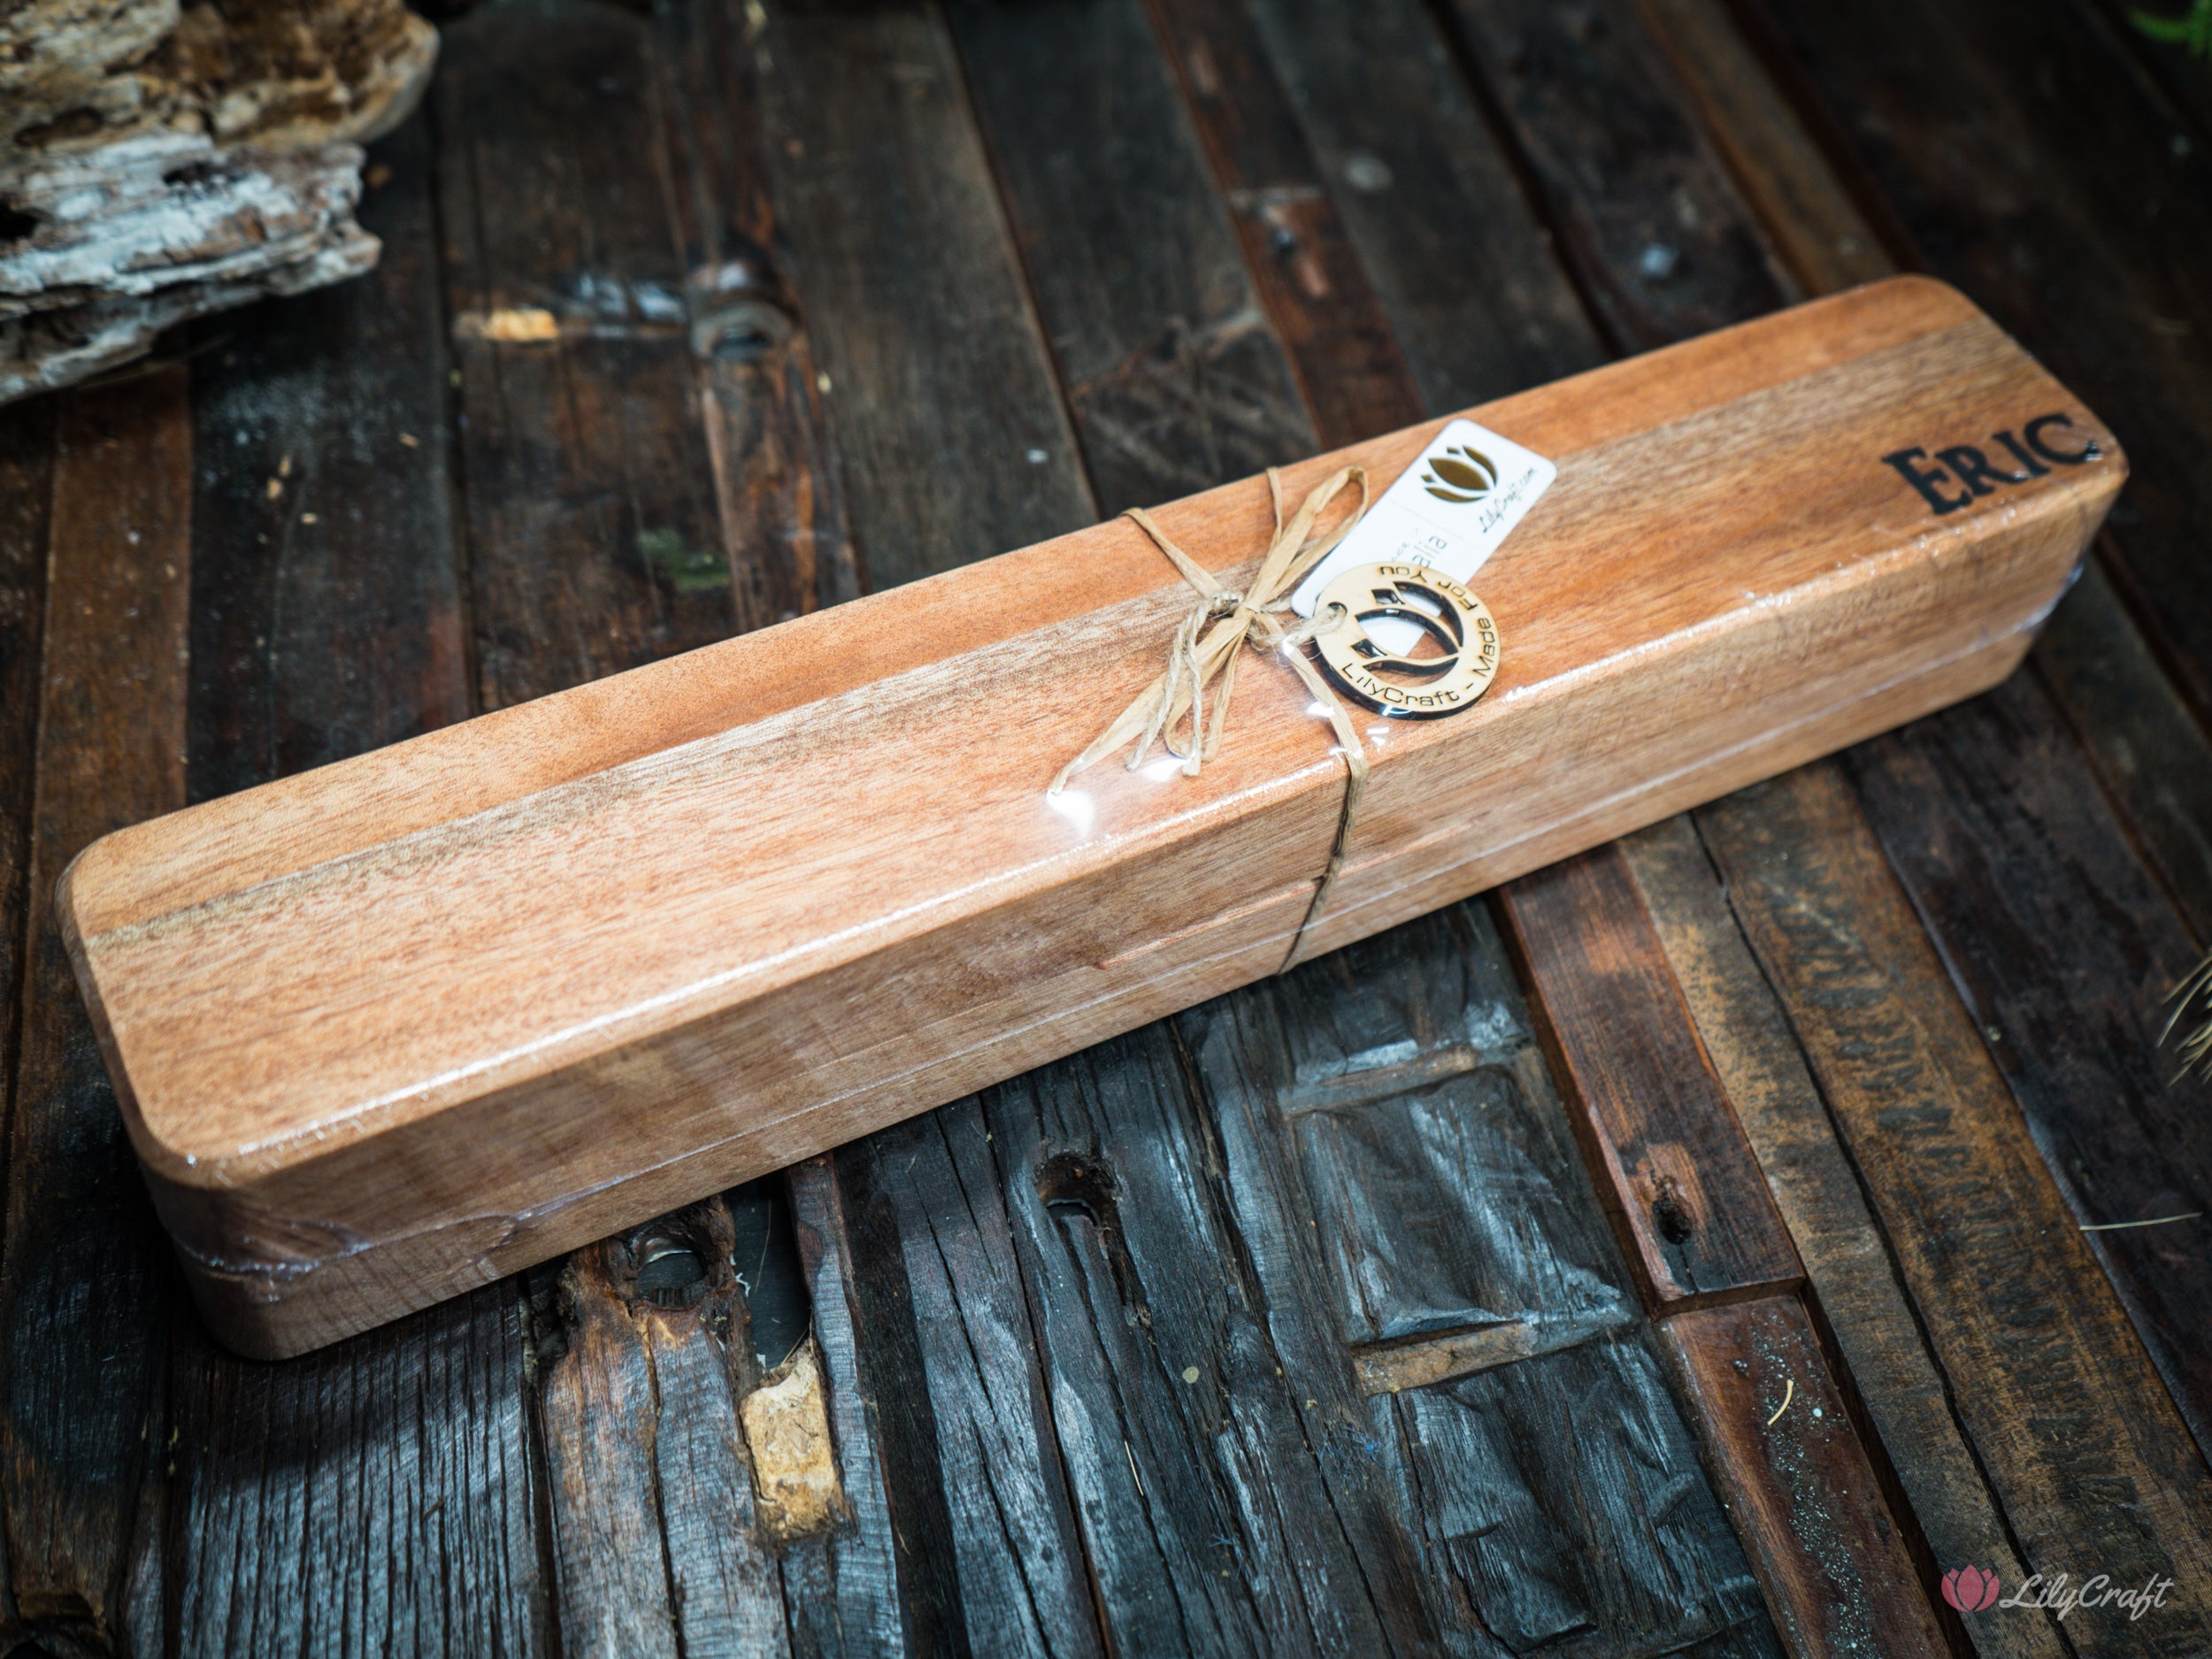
(78, 74)
(795, 1467)
(158, 162)
(121, 242)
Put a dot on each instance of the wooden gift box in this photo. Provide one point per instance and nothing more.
(386, 1030)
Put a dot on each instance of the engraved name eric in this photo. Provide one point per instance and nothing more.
(1953, 477)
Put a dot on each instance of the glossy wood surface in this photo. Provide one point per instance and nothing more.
(374, 1033)
(1482, 198)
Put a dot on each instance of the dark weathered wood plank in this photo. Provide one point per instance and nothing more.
(656, 1546)
(596, 1404)
(27, 487)
(1466, 275)
(1100, 1165)
(1979, 810)
(2151, 754)
(81, 1352)
(1837, 1575)
(1993, 874)
(594, 537)
(986, 1526)
(1174, 378)
(1816, 229)
(1920, 1449)
(1644, 212)
(727, 1585)
(842, 1589)
(1930, 990)
(672, 448)
(954, 443)
(1673, 1166)
(1325, 101)
(776, 481)
(376, 1497)
(1400, 1174)
(328, 619)
(1204, 1519)
(2065, 1414)
(1350, 372)
(2033, 164)
(26, 481)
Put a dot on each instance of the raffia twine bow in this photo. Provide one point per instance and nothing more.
(1200, 654)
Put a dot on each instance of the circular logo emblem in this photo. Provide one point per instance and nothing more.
(1460, 474)
(1412, 642)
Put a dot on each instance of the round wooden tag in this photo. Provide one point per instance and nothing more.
(1438, 649)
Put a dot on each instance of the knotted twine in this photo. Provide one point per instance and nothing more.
(1199, 652)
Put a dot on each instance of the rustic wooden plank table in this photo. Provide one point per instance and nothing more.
(1696, 1247)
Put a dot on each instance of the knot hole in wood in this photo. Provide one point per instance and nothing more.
(673, 1260)
(1082, 1197)
(740, 309)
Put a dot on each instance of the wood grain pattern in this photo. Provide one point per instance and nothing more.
(987, 1533)
(1805, 1501)
(2149, 752)
(656, 1542)
(778, 487)
(2009, 1294)
(2125, 713)
(1834, 232)
(843, 1587)
(1116, 1225)
(1610, 142)
(328, 618)
(939, 384)
(1174, 380)
(1463, 270)
(82, 1399)
(377, 1497)
(1351, 373)
(1390, 1198)
(558, 1046)
(330, 621)
(2050, 847)
(1975, 811)
(1186, 1451)
(1678, 1177)
(1826, 218)
(589, 483)
(1816, 229)
(1921, 1450)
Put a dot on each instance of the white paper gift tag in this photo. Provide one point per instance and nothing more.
(1449, 511)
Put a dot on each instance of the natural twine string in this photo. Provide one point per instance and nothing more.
(1198, 653)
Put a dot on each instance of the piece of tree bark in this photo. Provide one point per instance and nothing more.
(131, 238)
(163, 163)
(284, 74)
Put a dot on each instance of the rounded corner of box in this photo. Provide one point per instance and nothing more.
(242, 1317)
(69, 895)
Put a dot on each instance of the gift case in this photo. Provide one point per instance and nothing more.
(388, 1030)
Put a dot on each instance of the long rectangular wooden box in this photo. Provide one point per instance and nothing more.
(386, 1030)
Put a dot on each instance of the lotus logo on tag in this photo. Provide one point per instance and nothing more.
(1407, 640)
(1447, 511)
(1460, 474)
